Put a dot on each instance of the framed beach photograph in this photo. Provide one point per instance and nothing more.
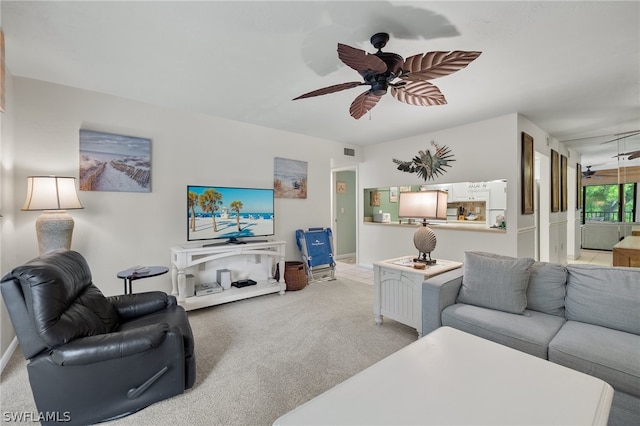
(393, 194)
(563, 183)
(289, 178)
(555, 181)
(527, 174)
(110, 162)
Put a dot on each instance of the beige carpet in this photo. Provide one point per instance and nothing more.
(259, 358)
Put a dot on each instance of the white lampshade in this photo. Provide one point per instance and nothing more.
(54, 195)
(423, 205)
(51, 193)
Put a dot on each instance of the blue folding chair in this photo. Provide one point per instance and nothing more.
(316, 246)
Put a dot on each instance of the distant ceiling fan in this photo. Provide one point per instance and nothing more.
(588, 174)
(407, 78)
(631, 154)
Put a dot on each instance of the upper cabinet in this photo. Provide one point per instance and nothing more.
(498, 195)
(471, 191)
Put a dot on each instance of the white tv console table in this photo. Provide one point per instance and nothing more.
(188, 255)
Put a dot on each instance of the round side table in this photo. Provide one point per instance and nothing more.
(132, 274)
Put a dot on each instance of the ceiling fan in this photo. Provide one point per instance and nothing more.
(407, 78)
(631, 154)
(588, 174)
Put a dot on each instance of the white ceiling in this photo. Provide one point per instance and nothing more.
(573, 68)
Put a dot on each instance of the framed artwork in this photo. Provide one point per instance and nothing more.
(374, 198)
(578, 187)
(110, 162)
(289, 178)
(527, 174)
(2, 93)
(393, 194)
(563, 183)
(555, 182)
(341, 187)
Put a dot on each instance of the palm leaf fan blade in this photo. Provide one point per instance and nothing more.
(363, 104)
(360, 60)
(420, 93)
(431, 65)
(330, 89)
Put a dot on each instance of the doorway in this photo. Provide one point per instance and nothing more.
(344, 212)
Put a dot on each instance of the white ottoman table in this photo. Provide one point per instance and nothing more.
(451, 377)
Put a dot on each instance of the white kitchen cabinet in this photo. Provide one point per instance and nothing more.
(497, 195)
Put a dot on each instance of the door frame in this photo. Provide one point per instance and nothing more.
(333, 206)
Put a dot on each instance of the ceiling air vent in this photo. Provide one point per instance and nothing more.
(350, 152)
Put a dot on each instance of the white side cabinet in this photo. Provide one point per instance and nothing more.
(187, 256)
(398, 289)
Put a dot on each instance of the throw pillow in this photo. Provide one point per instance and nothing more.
(547, 288)
(495, 282)
(605, 296)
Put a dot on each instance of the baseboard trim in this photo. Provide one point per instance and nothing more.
(345, 256)
(6, 356)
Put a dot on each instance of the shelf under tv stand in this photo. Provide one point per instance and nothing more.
(188, 255)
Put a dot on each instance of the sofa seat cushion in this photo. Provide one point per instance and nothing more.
(530, 333)
(608, 354)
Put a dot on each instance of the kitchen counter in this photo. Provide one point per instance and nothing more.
(457, 225)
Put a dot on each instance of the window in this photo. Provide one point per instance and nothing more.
(609, 203)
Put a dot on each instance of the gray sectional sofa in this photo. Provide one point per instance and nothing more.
(583, 317)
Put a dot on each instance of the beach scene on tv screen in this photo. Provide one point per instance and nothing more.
(220, 212)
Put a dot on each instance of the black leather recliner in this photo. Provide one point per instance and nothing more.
(91, 357)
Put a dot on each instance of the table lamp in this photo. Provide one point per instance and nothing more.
(53, 195)
(423, 205)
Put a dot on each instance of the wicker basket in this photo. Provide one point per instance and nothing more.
(294, 275)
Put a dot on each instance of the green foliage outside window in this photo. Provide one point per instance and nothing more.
(602, 203)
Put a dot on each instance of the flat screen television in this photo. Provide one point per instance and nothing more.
(226, 213)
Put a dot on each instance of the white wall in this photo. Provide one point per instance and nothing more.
(7, 210)
(116, 230)
(484, 150)
(554, 235)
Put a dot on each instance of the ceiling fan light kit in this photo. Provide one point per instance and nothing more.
(407, 78)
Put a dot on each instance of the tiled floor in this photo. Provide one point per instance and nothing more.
(347, 268)
(595, 257)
